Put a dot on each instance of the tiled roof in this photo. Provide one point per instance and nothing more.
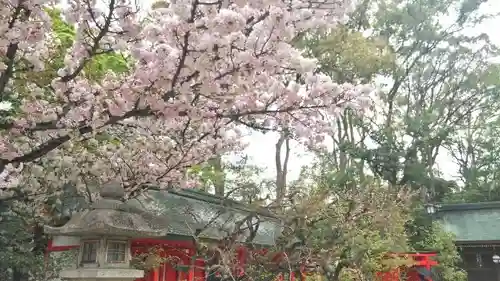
(472, 222)
(188, 211)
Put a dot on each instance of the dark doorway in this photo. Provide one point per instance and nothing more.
(478, 262)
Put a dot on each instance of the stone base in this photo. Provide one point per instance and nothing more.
(101, 274)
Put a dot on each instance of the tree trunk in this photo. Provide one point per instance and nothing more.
(281, 166)
(17, 275)
(220, 179)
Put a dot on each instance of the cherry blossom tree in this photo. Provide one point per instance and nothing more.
(198, 70)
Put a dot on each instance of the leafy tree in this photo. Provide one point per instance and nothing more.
(475, 150)
(432, 77)
(435, 86)
(346, 227)
(350, 225)
(21, 242)
(348, 55)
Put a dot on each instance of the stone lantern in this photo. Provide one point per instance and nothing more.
(105, 232)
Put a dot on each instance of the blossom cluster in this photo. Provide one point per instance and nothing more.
(198, 70)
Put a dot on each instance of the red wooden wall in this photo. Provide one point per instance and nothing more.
(184, 251)
(180, 253)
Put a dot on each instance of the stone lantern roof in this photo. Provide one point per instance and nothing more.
(109, 216)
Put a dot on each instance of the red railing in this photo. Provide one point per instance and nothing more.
(420, 270)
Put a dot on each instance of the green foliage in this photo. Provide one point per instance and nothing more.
(238, 180)
(435, 81)
(64, 33)
(478, 155)
(208, 173)
(100, 65)
(363, 221)
(435, 238)
(432, 88)
(349, 56)
(21, 241)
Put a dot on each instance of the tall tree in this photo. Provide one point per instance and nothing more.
(348, 55)
(475, 150)
(435, 85)
(432, 77)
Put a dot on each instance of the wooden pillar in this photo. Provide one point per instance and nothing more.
(302, 270)
(170, 273)
(155, 275)
(199, 271)
(242, 259)
(191, 273)
(192, 263)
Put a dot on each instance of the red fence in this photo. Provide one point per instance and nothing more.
(421, 270)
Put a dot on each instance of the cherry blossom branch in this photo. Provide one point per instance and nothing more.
(11, 49)
(54, 143)
(57, 142)
(95, 44)
(196, 71)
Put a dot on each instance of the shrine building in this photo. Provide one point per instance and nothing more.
(184, 214)
(476, 227)
(100, 241)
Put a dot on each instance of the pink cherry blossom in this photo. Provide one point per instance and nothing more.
(199, 70)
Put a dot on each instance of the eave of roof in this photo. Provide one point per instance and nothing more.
(469, 206)
(222, 201)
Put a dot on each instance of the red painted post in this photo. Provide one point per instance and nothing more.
(192, 263)
(191, 273)
(302, 270)
(155, 275)
(199, 273)
(421, 260)
(242, 258)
